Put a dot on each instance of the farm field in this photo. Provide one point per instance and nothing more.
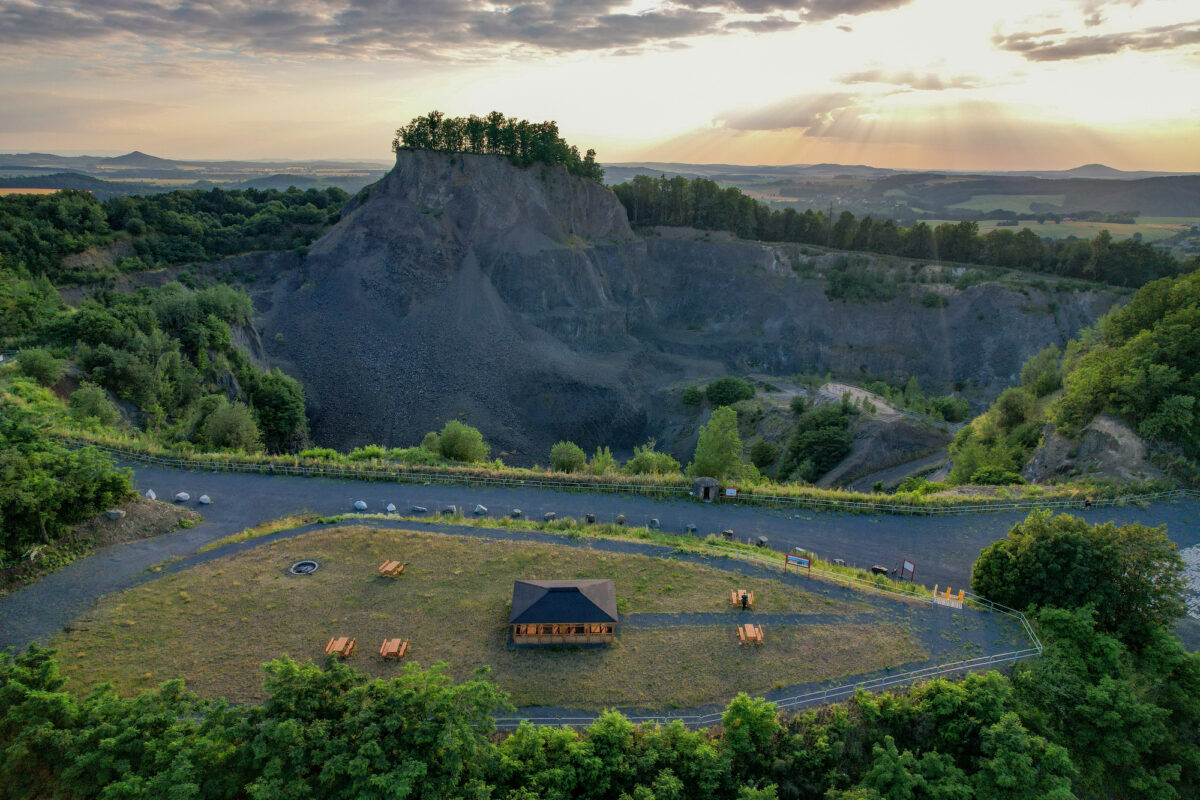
(215, 624)
(1152, 231)
(7, 191)
(1020, 203)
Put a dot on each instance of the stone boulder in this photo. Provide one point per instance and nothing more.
(205, 500)
(115, 514)
(150, 495)
(182, 497)
(360, 505)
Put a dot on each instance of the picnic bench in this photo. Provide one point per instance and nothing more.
(735, 597)
(393, 648)
(750, 634)
(341, 646)
(392, 569)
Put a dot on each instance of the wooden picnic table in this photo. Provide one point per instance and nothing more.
(735, 597)
(341, 645)
(393, 648)
(392, 569)
(750, 634)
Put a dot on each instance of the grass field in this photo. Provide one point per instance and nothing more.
(6, 191)
(215, 624)
(1154, 231)
(1020, 203)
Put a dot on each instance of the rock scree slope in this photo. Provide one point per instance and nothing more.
(520, 300)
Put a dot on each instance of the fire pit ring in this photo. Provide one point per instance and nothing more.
(306, 567)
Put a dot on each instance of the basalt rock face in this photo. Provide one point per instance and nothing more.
(519, 300)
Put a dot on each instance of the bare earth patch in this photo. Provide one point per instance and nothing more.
(215, 624)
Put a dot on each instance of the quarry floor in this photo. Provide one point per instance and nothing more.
(943, 547)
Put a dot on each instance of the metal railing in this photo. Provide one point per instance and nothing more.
(409, 475)
(839, 691)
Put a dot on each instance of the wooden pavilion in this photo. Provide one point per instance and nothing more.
(564, 612)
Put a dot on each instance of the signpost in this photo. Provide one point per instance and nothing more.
(803, 562)
(731, 493)
(909, 567)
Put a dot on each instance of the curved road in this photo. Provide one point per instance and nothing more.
(943, 547)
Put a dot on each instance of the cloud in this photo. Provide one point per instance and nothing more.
(930, 81)
(399, 28)
(811, 112)
(1057, 45)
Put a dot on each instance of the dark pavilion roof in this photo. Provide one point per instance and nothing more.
(563, 601)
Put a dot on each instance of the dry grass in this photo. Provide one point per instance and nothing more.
(215, 624)
(265, 529)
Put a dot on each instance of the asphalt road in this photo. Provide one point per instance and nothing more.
(943, 547)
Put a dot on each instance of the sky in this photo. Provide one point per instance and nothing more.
(911, 84)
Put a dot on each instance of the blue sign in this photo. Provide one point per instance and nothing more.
(798, 561)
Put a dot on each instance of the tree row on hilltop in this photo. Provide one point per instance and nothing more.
(702, 203)
(524, 142)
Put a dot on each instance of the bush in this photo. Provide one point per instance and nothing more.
(430, 443)
(692, 396)
(995, 476)
(1014, 406)
(460, 442)
(230, 426)
(648, 461)
(798, 404)
(323, 453)
(567, 457)
(602, 462)
(91, 402)
(933, 300)
(367, 453)
(952, 409)
(729, 390)
(41, 365)
(819, 442)
(763, 453)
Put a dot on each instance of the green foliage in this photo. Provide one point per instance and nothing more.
(91, 403)
(460, 442)
(45, 487)
(567, 457)
(279, 407)
(728, 390)
(603, 462)
(648, 461)
(41, 365)
(229, 426)
(524, 142)
(26, 304)
(702, 203)
(38, 231)
(719, 448)
(1142, 365)
(934, 300)
(1131, 574)
(912, 397)
(692, 396)
(763, 453)
(370, 452)
(854, 280)
(798, 404)
(1013, 407)
(1042, 373)
(820, 440)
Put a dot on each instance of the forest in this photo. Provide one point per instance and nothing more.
(524, 142)
(1110, 710)
(37, 232)
(702, 203)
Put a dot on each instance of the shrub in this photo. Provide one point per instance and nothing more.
(952, 409)
(41, 365)
(798, 404)
(323, 453)
(567, 457)
(995, 476)
(821, 440)
(692, 396)
(648, 461)
(602, 462)
(367, 453)
(933, 300)
(430, 443)
(229, 426)
(91, 402)
(1013, 407)
(461, 442)
(763, 453)
(728, 390)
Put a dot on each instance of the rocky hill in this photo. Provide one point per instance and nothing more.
(519, 300)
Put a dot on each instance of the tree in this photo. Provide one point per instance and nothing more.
(692, 396)
(729, 390)
(1020, 766)
(602, 462)
(820, 440)
(229, 426)
(1131, 574)
(567, 457)
(460, 442)
(41, 365)
(719, 448)
(90, 402)
(751, 728)
(763, 453)
(279, 406)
